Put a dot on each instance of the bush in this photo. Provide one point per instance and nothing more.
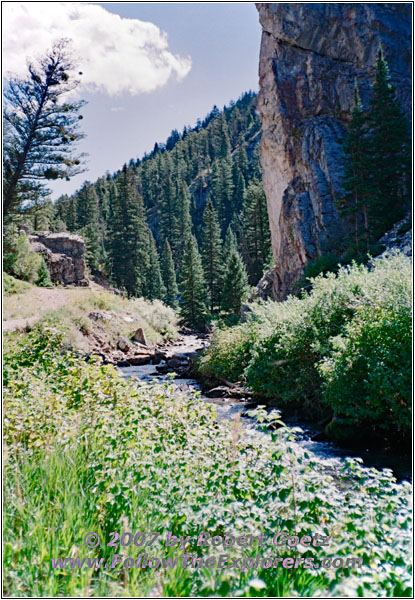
(332, 348)
(43, 275)
(19, 259)
(367, 375)
(228, 354)
(14, 286)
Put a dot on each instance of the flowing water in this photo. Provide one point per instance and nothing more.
(228, 408)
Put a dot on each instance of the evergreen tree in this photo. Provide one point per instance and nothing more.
(235, 283)
(128, 236)
(229, 244)
(238, 188)
(168, 223)
(356, 172)
(93, 249)
(87, 209)
(256, 231)
(40, 129)
(222, 190)
(212, 256)
(169, 276)
(193, 307)
(390, 153)
(242, 158)
(154, 286)
(43, 275)
(184, 222)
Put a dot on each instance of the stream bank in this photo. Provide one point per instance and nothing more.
(174, 360)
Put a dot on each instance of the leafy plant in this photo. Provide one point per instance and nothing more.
(88, 451)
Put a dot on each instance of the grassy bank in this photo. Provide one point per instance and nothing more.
(91, 318)
(342, 350)
(87, 451)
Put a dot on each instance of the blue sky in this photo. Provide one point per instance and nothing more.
(221, 40)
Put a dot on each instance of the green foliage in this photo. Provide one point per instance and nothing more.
(256, 238)
(40, 129)
(235, 283)
(14, 286)
(88, 451)
(128, 237)
(175, 182)
(367, 375)
(212, 259)
(377, 161)
(19, 260)
(193, 308)
(169, 276)
(345, 346)
(43, 275)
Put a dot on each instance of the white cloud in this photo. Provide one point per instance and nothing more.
(116, 54)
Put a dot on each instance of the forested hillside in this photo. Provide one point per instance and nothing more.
(204, 181)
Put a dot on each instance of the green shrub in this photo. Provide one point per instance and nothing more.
(228, 354)
(367, 376)
(287, 350)
(43, 275)
(14, 286)
(19, 259)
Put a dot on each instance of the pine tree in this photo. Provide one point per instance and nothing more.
(193, 307)
(128, 236)
(153, 287)
(212, 256)
(93, 248)
(222, 190)
(40, 129)
(356, 172)
(256, 231)
(184, 222)
(168, 223)
(235, 284)
(238, 188)
(87, 209)
(242, 158)
(390, 155)
(229, 244)
(169, 276)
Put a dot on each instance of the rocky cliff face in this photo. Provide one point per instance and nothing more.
(310, 57)
(64, 254)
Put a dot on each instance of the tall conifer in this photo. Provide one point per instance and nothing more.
(212, 256)
(169, 276)
(193, 307)
(390, 153)
(235, 283)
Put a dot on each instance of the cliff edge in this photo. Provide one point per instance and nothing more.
(310, 56)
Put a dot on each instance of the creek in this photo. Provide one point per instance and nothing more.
(328, 453)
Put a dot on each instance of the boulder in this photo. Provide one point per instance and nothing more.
(123, 344)
(174, 363)
(139, 336)
(99, 316)
(139, 359)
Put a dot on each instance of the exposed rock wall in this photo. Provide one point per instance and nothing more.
(310, 57)
(64, 254)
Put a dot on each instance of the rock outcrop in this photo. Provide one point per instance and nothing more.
(64, 254)
(310, 56)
